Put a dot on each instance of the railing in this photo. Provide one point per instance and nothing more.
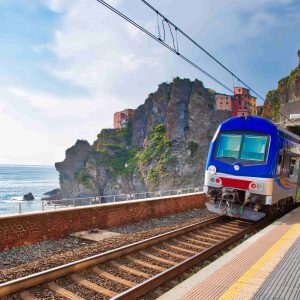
(47, 205)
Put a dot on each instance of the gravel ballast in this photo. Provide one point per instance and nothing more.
(21, 261)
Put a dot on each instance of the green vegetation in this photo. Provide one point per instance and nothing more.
(119, 157)
(84, 179)
(271, 106)
(295, 73)
(156, 151)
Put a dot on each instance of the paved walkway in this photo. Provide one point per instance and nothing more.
(266, 266)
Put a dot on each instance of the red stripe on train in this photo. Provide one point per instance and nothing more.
(235, 183)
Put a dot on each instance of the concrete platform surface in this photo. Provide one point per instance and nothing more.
(264, 267)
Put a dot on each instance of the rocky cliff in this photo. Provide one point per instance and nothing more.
(164, 146)
(285, 98)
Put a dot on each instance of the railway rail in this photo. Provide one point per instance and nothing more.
(134, 270)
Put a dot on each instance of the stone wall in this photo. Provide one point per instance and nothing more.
(34, 227)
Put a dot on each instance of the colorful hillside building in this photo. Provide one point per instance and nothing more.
(121, 118)
(223, 102)
(243, 104)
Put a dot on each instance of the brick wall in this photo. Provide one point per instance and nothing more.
(27, 229)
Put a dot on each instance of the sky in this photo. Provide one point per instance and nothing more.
(67, 66)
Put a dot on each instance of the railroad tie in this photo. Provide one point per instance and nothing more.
(209, 244)
(63, 292)
(92, 286)
(183, 243)
(180, 249)
(130, 270)
(192, 242)
(208, 237)
(114, 278)
(28, 296)
(163, 260)
(180, 256)
(145, 264)
(220, 232)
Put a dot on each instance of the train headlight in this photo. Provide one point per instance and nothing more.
(260, 186)
(256, 186)
(212, 170)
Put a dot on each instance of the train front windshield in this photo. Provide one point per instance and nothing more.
(244, 147)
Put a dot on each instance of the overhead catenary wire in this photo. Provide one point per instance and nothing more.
(200, 47)
(209, 54)
(175, 49)
(164, 44)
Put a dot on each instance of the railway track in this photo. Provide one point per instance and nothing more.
(134, 270)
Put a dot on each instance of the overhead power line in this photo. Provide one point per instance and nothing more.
(175, 48)
(164, 44)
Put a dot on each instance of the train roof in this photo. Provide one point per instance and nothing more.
(257, 124)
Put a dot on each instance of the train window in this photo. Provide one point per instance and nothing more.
(254, 147)
(292, 166)
(229, 145)
(247, 148)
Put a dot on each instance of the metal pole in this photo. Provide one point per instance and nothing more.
(90, 201)
(43, 205)
(20, 208)
(114, 198)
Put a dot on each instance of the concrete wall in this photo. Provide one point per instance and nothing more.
(30, 228)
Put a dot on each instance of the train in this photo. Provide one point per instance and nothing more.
(252, 169)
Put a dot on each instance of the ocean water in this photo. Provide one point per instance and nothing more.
(18, 180)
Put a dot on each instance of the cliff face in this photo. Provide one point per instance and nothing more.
(164, 146)
(285, 98)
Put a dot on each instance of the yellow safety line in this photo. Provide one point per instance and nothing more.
(262, 265)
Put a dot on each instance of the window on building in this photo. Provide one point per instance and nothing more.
(221, 103)
(226, 102)
(243, 114)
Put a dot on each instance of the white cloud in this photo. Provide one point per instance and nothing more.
(38, 127)
(117, 66)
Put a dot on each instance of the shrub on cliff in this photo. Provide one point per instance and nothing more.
(155, 156)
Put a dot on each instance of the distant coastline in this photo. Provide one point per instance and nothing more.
(17, 180)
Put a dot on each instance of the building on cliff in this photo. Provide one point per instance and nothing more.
(121, 118)
(223, 102)
(240, 104)
(243, 104)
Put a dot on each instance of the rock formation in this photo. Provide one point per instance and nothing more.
(164, 146)
(28, 197)
(286, 98)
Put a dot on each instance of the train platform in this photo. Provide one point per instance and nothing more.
(266, 266)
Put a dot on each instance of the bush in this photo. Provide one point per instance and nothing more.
(157, 151)
(84, 179)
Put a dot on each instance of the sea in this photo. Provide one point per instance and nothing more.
(18, 180)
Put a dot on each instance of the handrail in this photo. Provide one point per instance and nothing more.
(47, 205)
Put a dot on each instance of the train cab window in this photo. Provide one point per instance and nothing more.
(248, 148)
(229, 145)
(254, 147)
(292, 166)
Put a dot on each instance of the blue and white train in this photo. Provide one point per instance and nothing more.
(252, 167)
